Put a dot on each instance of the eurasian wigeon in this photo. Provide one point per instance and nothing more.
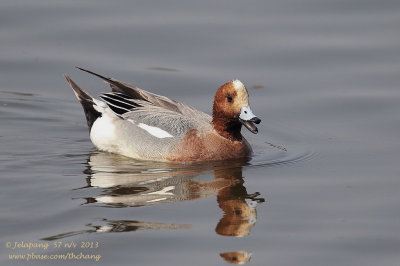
(143, 125)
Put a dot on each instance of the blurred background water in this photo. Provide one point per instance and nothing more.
(322, 188)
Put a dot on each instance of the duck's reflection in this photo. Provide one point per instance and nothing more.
(109, 226)
(236, 257)
(238, 206)
(148, 183)
(121, 183)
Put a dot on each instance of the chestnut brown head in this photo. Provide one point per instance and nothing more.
(231, 103)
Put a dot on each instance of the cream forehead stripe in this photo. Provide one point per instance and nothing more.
(238, 85)
(242, 95)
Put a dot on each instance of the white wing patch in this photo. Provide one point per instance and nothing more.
(155, 131)
(164, 191)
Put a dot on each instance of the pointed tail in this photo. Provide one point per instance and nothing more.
(87, 102)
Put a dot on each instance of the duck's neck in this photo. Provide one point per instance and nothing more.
(227, 127)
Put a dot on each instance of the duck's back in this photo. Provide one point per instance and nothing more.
(149, 132)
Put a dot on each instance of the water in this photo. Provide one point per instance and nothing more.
(322, 188)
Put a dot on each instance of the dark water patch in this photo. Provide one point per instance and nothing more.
(164, 69)
(18, 93)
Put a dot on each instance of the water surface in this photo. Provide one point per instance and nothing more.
(321, 189)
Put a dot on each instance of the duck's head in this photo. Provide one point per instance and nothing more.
(231, 108)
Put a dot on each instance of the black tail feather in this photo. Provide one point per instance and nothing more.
(119, 86)
(87, 102)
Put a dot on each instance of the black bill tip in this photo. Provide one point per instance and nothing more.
(256, 120)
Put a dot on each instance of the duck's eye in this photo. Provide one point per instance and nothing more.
(229, 98)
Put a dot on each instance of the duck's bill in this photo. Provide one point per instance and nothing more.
(247, 118)
(250, 126)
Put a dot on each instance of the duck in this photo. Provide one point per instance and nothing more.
(142, 125)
